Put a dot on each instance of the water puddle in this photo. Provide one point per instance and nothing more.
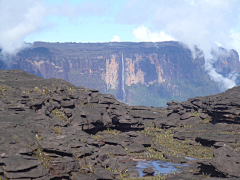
(162, 167)
(191, 159)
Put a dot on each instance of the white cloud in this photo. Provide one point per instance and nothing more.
(22, 18)
(192, 22)
(19, 19)
(235, 36)
(223, 82)
(142, 33)
(116, 38)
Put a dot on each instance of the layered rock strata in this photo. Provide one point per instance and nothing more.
(51, 129)
(141, 73)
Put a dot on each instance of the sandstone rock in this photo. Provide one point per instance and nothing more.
(58, 125)
(137, 148)
(133, 173)
(116, 150)
(186, 116)
(216, 167)
(148, 171)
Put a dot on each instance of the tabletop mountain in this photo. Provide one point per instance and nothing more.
(142, 73)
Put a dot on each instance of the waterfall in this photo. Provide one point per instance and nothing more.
(123, 87)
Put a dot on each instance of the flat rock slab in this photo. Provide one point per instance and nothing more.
(149, 170)
(133, 173)
(206, 138)
(82, 177)
(18, 163)
(35, 172)
(226, 163)
(121, 140)
(136, 148)
(183, 176)
(186, 116)
(102, 173)
(142, 139)
(115, 150)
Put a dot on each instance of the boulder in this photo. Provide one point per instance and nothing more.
(149, 171)
(226, 163)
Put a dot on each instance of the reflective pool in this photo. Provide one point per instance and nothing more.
(162, 167)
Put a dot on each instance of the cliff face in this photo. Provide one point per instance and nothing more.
(137, 73)
(227, 62)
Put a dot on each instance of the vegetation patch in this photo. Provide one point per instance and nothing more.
(196, 114)
(57, 130)
(176, 148)
(59, 114)
(122, 174)
(71, 89)
(157, 177)
(43, 91)
(110, 132)
(4, 89)
(97, 137)
(207, 120)
(42, 156)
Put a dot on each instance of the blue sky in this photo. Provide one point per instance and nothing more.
(93, 26)
(205, 23)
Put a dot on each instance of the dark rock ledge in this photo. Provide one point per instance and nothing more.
(51, 129)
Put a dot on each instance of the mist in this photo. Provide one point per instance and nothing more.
(19, 19)
(23, 18)
(207, 24)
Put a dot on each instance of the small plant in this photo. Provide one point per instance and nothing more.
(97, 137)
(15, 139)
(110, 131)
(176, 148)
(234, 145)
(39, 137)
(160, 177)
(122, 173)
(43, 157)
(59, 114)
(3, 90)
(2, 178)
(57, 130)
(196, 114)
(45, 91)
(37, 90)
(70, 89)
(90, 167)
(204, 174)
(89, 104)
(207, 120)
(75, 155)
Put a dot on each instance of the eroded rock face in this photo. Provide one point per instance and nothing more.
(45, 126)
(226, 163)
(166, 70)
(223, 107)
(212, 121)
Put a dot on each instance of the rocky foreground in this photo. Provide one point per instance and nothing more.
(51, 129)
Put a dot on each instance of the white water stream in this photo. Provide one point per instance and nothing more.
(123, 87)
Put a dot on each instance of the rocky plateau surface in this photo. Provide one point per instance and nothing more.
(51, 129)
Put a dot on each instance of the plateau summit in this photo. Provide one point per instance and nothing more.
(143, 73)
